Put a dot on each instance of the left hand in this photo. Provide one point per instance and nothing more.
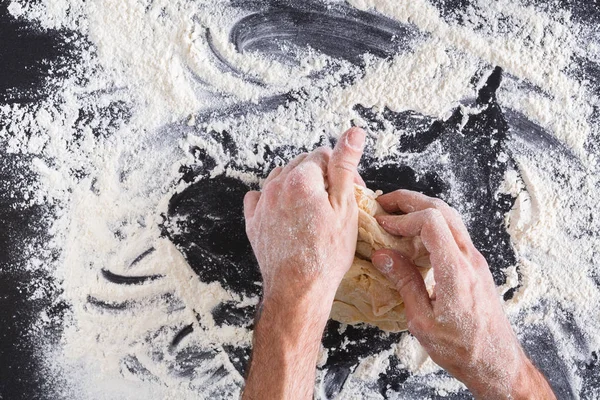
(303, 225)
(462, 325)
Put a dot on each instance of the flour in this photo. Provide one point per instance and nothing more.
(155, 78)
(529, 38)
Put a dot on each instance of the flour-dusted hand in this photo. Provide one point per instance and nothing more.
(303, 225)
(303, 228)
(462, 326)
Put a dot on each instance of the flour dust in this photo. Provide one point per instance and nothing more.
(153, 83)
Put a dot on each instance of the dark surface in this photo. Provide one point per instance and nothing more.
(212, 236)
(19, 369)
(26, 57)
(340, 31)
(30, 58)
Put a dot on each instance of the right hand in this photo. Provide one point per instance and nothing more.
(304, 223)
(462, 326)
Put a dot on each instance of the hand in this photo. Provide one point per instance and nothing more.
(303, 226)
(303, 229)
(462, 325)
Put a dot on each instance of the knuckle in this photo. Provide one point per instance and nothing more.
(433, 216)
(445, 209)
(439, 204)
(270, 188)
(298, 181)
(297, 174)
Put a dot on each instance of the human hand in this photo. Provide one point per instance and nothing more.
(303, 225)
(303, 229)
(462, 325)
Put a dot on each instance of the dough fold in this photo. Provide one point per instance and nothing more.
(365, 295)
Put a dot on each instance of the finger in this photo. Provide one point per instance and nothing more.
(274, 174)
(436, 236)
(294, 163)
(408, 201)
(320, 157)
(309, 176)
(344, 160)
(250, 202)
(408, 281)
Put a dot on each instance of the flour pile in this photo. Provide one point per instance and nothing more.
(158, 82)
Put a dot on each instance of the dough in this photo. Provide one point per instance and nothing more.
(365, 295)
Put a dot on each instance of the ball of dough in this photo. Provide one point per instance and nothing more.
(365, 295)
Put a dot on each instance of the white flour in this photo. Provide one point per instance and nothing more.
(153, 57)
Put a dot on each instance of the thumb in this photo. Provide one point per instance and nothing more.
(342, 168)
(408, 281)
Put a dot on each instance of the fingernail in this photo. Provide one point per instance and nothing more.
(356, 139)
(383, 263)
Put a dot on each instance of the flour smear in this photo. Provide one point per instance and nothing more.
(150, 80)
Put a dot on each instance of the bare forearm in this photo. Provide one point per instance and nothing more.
(302, 227)
(287, 338)
(528, 383)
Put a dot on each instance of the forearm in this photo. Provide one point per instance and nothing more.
(287, 338)
(528, 383)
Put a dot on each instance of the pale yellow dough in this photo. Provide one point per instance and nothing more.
(365, 295)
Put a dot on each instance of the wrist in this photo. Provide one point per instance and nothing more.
(291, 281)
(495, 377)
(524, 383)
(298, 302)
(531, 384)
(293, 315)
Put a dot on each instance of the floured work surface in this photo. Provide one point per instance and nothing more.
(131, 130)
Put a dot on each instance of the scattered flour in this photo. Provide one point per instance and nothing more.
(152, 61)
